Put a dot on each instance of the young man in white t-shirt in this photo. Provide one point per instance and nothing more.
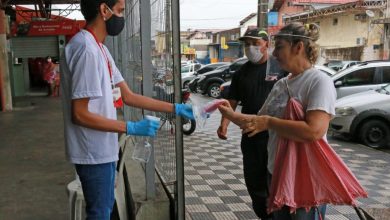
(91, 84)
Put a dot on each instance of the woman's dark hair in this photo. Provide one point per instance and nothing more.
(308, 34)
(90, 8)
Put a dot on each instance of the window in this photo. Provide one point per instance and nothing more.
(359, 77)
(185, 69)
(386, 74)
(197, 66)
(335, 21)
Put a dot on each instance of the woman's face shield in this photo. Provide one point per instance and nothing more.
(274, 71)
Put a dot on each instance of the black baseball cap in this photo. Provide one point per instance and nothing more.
(256, 33)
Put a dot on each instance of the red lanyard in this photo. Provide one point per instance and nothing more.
(104, 53)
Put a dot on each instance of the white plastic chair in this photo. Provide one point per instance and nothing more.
(76, 199)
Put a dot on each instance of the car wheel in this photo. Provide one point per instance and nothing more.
(188, 126)
(214, 90)
(374, 133)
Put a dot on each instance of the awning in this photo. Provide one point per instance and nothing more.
(31, 2)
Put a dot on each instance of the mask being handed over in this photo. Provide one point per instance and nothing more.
(253, 53)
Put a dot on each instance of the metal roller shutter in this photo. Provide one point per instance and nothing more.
(29, 47)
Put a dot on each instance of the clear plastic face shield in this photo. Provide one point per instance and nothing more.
(274, 71)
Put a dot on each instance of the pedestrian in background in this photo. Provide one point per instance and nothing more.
(49, 74)
(92, 87)
(307, 94)
(250, 87)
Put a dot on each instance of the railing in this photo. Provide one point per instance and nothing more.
(144, 53)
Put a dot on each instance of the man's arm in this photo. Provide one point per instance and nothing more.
(222, 129)
(135, 100)
(83, 117)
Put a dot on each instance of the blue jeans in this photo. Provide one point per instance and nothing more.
(98, 182)
(300, 214)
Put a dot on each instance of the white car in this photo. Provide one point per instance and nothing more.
(365, 116)
(369, 75)
(188, 73)
(327, 70)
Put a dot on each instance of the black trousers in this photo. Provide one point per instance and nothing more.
(255, 158)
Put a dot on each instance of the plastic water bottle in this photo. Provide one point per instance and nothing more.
(143, 147)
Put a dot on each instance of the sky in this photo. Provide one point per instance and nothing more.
(207, 14)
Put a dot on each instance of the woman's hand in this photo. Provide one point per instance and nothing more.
(254, 124)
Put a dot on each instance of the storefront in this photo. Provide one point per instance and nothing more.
(30, 44)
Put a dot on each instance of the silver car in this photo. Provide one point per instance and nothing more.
(368, 75)
(365, 116)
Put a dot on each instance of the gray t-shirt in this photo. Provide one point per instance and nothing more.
(84, 74)
(313, 89)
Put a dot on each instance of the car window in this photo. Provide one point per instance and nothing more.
(359, 77)
(197, 66)
(185, 69)
(386, 74)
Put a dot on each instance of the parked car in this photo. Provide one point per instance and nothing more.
(224, 89)
(188, 62)
(210, 82)
(339, 65)
(188, 73)
(207, 68)
(327, 70)
(369, 75)
(365, 116)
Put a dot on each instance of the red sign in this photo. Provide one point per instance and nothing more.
(46, 28)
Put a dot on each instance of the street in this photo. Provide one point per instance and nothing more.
(215, 187)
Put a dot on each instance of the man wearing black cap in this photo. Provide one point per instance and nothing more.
(250, 87)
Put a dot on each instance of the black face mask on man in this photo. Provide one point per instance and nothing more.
(115, 24)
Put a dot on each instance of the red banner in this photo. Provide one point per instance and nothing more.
(46, 28)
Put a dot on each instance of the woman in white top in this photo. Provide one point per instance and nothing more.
(296, 51)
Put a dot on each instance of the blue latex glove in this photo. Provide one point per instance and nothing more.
(145, 127)
(184, 111)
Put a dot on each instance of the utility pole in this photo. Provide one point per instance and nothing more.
(262, 14)
(5, 81)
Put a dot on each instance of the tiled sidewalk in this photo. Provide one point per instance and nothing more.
(215, 186)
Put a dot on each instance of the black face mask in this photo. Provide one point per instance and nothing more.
(115, 25)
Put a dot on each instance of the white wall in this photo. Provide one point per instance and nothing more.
(200, 54)
(250, 22)
(346, 32)
(200, 42)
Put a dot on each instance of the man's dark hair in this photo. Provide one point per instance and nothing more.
(90, 8)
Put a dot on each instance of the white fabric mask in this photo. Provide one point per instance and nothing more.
(253, 53)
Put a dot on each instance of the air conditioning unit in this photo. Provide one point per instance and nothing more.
(360, 41)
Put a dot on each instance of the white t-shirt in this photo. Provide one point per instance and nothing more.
(84, 74)
(313, 89)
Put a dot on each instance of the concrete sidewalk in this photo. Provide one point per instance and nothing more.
(33, 169)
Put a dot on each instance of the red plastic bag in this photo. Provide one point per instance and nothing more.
(310, 174)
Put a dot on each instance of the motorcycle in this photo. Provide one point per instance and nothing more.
(189, 126)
